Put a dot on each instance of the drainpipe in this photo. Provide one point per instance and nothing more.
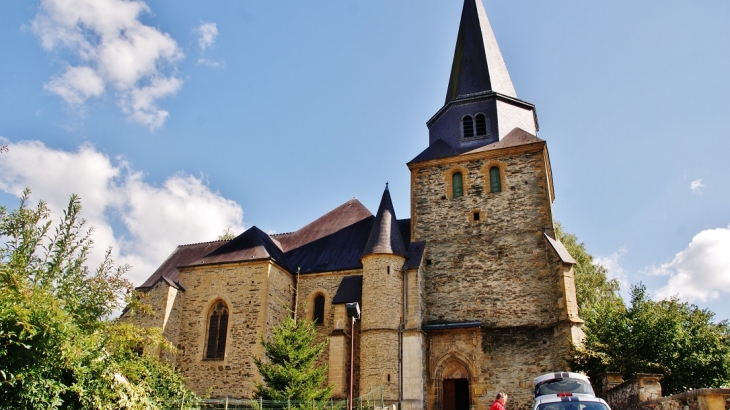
(401, 326)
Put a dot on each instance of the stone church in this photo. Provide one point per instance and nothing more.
(470, 295)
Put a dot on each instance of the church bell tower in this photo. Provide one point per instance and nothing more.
(498, 297)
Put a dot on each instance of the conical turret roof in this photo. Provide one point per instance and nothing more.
(478, 64)
(385, 236)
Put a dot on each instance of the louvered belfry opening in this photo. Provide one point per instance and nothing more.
(467, 124)
(217, 331)
(481, 124)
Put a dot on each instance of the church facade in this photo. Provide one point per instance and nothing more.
(471, 295)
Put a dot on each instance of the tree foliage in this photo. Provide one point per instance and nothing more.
(290, 371)
(227, 235)
(669, 337)
(592, 286)
(57, 347)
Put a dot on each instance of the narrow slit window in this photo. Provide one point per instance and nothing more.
(476, 216)
(318, 317)
(481, 125)
(217, 331)
(467, 126)
(458, 185)
(495, 181)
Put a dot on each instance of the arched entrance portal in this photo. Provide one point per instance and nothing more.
(455, 391)
(456, 394)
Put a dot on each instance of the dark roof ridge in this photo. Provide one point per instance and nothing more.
(342, 216)
(203, 243)
(253, 244)
(349, 202)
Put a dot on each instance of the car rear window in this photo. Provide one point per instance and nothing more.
(560, 385)
(572, 406)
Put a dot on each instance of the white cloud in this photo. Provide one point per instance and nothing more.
(612, 263)
(76, 85)
(209, 63)
(701, 272)
(696, 186)
(208, 33)
(157, 218)
(109, 46)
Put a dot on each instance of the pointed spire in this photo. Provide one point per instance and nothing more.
(478, 64)
(385, 236)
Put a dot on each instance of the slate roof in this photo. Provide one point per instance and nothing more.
(350, 290)
(333, 242)
(181, 256)
(441, 149)
(385, 236)
(563, 253)
(478, 64)
(253, 244)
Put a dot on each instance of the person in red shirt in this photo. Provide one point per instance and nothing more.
(499, 402)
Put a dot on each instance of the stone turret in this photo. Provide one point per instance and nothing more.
(382, 303)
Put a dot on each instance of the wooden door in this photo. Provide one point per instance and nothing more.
(449, 396)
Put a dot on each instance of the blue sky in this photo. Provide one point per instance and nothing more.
(177, 120)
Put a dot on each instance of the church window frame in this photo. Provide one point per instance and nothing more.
(457, 185)
(495, 180)
(448, 176)
(495, 176)
(216, 334)
(318, 308)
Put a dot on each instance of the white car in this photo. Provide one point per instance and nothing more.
(568, 401)
(553, 384)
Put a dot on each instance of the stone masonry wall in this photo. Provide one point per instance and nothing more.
(279, 300)
(629, 394)
(497, 360)
(165, 302)
(245, 288)
(382, 313)
(496, 269)
(326, 284)
(157, 298)
(700, 399)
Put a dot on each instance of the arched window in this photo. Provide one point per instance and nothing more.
(467, 126)
(481, 124)
(318, 316)
(217, 331)
(457, 185)
(495, 182)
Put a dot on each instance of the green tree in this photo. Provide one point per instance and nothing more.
(290, 371)
(669, 337)
(592, 286)
(227, 235)
(57, 347)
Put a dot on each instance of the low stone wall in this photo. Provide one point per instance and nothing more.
(700, 399)
(631, 394)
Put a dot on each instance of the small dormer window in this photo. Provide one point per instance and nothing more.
(457, 185)
(467, 126)
(481, 124)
